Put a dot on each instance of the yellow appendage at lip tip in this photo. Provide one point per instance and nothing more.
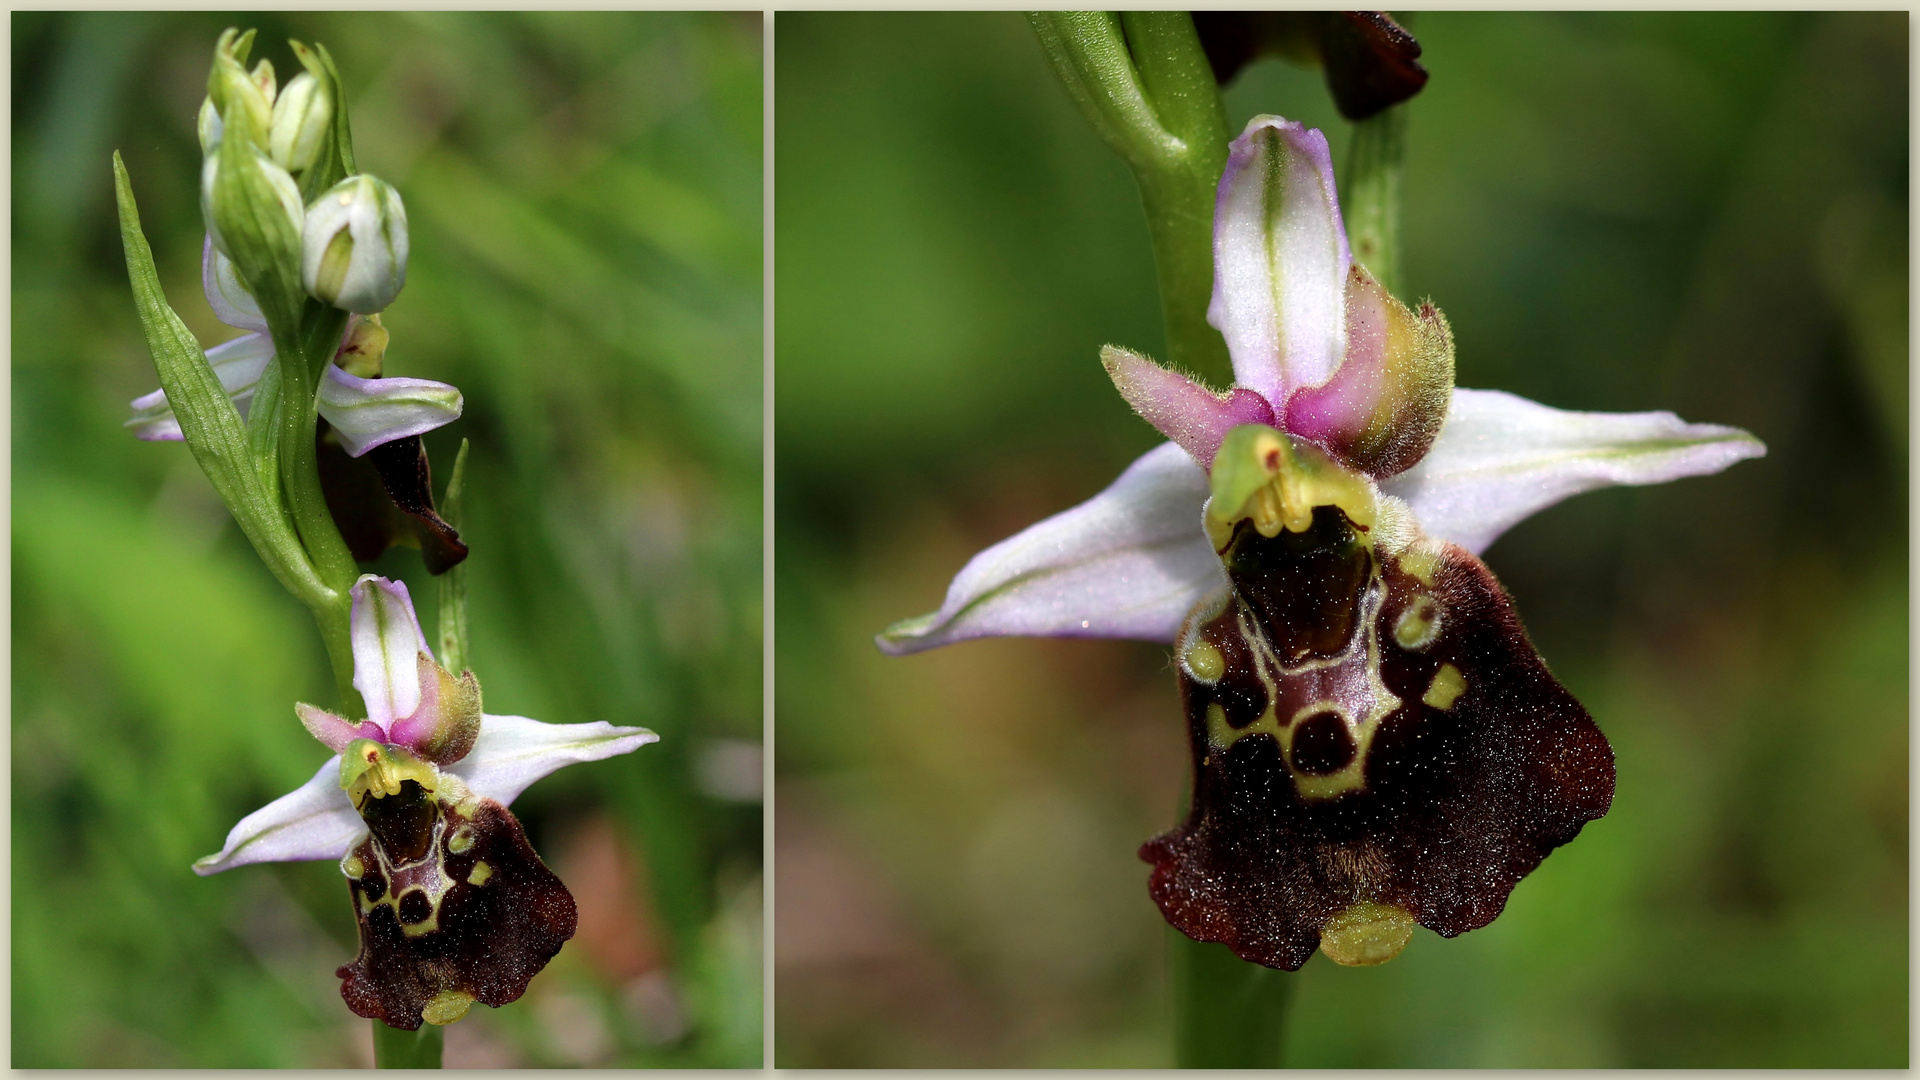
(1366, 934)
(446, 1007)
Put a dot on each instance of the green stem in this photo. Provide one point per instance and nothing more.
(304, 357)
(1179, 197)
(397, 1049)
(1143, 83)
(1228, 1014)
(1370, 200)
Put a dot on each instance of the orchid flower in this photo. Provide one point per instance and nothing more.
(364, 412)
(453, 905)
(1376, 743)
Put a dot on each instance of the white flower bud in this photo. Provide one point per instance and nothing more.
(210, 127)
(242, 99)
(302, 115)
(354, 246)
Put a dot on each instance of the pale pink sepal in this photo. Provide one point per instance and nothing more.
(1500, 458)
(314, 821)
(1280, 259)
(513, 751)
(366, 413)
(1128, 563)
(1184, 410)
(238, 364)
(387, 643)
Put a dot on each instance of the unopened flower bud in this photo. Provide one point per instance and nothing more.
(209, 128)
(301, 116)
(241, 98)
(263, 80)
(355, 245)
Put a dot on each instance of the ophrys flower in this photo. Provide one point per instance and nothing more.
(1375, 740)
(453, 904)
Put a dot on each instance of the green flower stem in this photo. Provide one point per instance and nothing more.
(1143, 82)
(1228, 1014)
(304, 358)
(1370, 199)
(397, 1049)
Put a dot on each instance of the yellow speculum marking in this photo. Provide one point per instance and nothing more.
(1366, 933)
(1418, 625)
(1447, 686)
(481, 872)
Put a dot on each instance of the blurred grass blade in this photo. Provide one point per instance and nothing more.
(453, 583)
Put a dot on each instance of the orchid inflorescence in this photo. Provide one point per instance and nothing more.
(316, 450)
(1376, 743)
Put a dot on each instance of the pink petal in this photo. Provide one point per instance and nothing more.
(333, 731)
(1184, 410)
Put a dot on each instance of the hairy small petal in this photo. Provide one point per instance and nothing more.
(238, 365)
(231, 302)
(314, 821)
(387, 643)
(366, 413)
(1380, 412)
(443, 729)
(1280, 260)
(1501, 458)
(1128, 563)
(1181, 407)
(335, 731)
(513, 751)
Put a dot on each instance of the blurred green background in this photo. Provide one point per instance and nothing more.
(1705, 213)
(585, 197)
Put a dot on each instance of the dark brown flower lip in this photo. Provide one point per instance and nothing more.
(1425, 762)
(453, 907)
